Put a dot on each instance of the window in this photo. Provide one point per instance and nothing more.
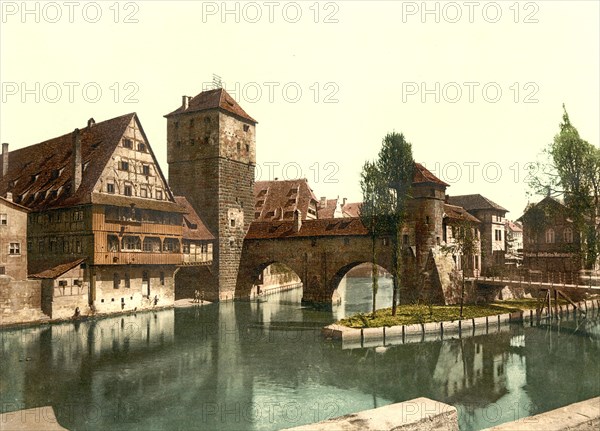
(162, 278)
(110, 187)
(426, 219)
(232, 222)
(127, 191)
(14, 248)
(127, 281)
(192, 122)
(127, 143)
(143, 192)
(123, 165)
(113, 243)
(550, 236)
(2, 270)
(159, 195)
(77, 246)
(141, 147)
(192, 141)
(146, 169)
(131, 242)
(498, 235)
(568, 234)
(246, 127)
(152, 244)
(404, 239)
(247, 148)
(239, 146)
(171, 245)
(41, 246)
(116, 281)
(52, 248)
(3, 219)
(186, 247)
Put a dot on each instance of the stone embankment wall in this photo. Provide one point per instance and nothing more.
(20, 301)
(402, 334)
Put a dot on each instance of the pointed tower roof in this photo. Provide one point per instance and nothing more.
(213, 99)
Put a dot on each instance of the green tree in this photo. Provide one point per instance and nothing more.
(373, 213)
(465, 245)
(572, 171)
(396, 165)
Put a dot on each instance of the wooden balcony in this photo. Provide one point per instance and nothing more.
(198, 259)
(137, 258)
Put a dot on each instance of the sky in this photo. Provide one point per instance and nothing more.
(476, 87)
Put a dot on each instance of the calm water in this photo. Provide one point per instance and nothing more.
(264, 366)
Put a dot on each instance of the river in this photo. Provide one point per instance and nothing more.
(265, 366)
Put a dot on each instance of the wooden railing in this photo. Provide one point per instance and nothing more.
(137, 258)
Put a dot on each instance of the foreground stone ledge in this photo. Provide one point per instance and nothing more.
(582, 416)
(36, 419)
(420, 414)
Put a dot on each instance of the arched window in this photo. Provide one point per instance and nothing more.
(550, 236)
(568, 235)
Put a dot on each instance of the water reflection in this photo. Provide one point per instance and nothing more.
(264, 366)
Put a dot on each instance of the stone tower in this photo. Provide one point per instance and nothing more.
(211, 152)
(427, 210)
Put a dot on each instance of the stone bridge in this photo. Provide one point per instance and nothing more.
(320, 252)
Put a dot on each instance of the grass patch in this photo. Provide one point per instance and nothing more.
(411, 314)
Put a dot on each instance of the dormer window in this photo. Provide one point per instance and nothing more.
(55, 174)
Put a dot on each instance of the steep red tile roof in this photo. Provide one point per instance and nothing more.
(58, 270)
(39, 169)
(309, 228)
(327, 211)
(423, 175)
(213, 99)
(514, 227)
(457, 213)
(39, 176)
(351, 209)
(277, 200)
(193, 226)
(475, 202)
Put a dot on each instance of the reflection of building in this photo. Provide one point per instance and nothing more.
(491, 216)
(98, 201)
(550, 242)
(13, 238)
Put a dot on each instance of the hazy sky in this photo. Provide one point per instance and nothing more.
(477, 87)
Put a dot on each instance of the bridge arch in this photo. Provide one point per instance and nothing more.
(336, 281)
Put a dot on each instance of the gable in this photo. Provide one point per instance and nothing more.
(39, 176)
(132, 168)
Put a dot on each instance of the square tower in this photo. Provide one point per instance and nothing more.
(211, 152)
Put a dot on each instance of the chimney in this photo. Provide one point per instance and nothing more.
(447, 199)
(91, 123)
(76, 161)
(4, 159)
(9, 197)
(323, 203)
(185, 102)
(344, 201)
(297, 221)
